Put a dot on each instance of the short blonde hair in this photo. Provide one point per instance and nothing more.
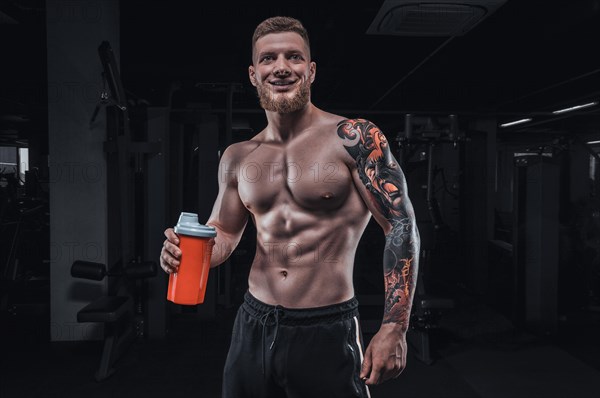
(278, 25)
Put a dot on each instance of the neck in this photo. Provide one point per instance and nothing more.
(285, 126)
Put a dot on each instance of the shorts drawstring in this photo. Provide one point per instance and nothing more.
(264, 319)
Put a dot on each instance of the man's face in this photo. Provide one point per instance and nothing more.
(282, 72)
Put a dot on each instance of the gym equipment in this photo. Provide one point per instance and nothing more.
(536, 242)
(122, 309)
(122, 315)
(426, 312)
(23, 272)
(427, 308)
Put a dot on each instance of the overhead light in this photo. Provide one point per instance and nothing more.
(593, 142)
(574, 108)
(520, 121)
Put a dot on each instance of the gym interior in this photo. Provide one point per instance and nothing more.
(113, 116)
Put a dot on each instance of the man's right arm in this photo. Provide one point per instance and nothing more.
(229, 215)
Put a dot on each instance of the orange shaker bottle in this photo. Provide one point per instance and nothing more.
(188, 285)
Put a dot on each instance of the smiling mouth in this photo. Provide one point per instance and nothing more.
(282, 83)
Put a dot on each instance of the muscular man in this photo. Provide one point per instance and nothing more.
(310, 181)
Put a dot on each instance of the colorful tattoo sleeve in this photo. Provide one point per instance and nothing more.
(386, 186)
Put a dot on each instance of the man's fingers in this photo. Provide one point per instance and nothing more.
(376, 375)
(170, 253)
(366, 365)
(168, 263)
(169, 260)
(390, 370)
(380, 370)
(172, 249)
(171, 236)
(390, 374)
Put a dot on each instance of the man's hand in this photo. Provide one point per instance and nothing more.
(385, 357)
(170, 253)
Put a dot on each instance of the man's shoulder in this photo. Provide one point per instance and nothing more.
(356, 122)
(238, 150)
(335, 123)
(332, 119)
(344, 124)
(355, 128)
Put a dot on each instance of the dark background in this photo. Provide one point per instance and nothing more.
(492, 258)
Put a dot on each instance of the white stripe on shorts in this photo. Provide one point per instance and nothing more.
(360, 349)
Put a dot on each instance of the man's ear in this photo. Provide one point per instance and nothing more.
(252, 75)
(313, 71)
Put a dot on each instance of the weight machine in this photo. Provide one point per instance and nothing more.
(420, 137)
(123, 309)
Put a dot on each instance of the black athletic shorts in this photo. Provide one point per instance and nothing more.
(280, 352)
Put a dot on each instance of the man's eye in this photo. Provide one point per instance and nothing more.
(296, 57)
(267, 58)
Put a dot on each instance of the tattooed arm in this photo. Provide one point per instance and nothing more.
(382, 185)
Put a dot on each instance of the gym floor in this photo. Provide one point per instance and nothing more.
(477, 353)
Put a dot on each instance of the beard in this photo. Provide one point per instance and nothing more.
(280, 103)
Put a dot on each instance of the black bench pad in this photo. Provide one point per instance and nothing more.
(104, 309)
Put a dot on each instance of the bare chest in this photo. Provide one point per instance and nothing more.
(311, 177)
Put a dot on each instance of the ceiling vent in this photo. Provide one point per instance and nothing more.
(7, 20)
(431, 18)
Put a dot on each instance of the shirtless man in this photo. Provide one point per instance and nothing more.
(310, 181)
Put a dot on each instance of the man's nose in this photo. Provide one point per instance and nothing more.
(282, 67)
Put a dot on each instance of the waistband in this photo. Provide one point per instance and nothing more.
(301, 316)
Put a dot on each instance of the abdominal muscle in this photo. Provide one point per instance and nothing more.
(309, 267)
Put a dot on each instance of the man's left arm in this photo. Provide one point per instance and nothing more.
(382, 185)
